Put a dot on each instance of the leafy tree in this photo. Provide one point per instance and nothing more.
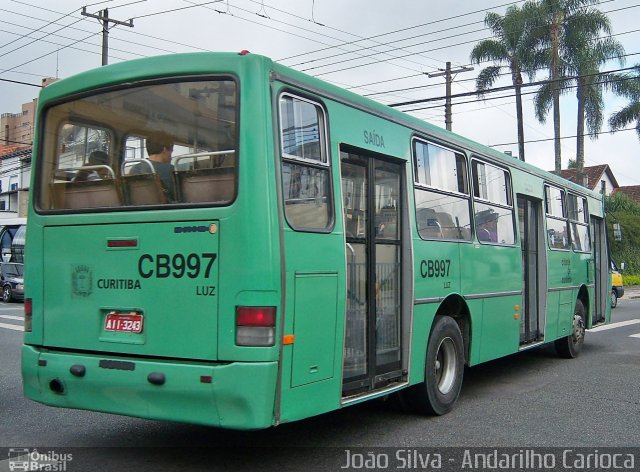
(508, 48)
(627, 85)
(624, 211)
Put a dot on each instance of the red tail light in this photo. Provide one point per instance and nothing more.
(255, 325)
(28, 312)
(256, 316)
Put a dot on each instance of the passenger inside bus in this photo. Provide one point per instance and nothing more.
(487, 226)
(96, 158)
(160, 159)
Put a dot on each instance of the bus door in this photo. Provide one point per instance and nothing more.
(600, 270)
(372, 192)
(534, 271)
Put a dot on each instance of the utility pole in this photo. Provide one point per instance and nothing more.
(103, 17)
(447, 74)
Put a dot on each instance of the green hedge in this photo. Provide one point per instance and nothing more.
(631, 279)
(624, 211)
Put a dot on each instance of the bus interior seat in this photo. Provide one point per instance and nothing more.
(428, 225)
(86, 194)
(143, 189)
(206, 185)
(450, 229)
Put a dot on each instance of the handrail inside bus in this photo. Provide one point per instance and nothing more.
(137, 161)
(96, 168)
(195, 155)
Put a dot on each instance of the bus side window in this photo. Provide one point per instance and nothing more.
(305, 165)
(557, 224)
(493, 204)
(441, 193)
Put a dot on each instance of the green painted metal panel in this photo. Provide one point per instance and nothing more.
(315, 318)
(494, 274)
(170, 277)
(235, 395)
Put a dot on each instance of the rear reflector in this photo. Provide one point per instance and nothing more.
(122, 243)
(28, 315)
(255, 325)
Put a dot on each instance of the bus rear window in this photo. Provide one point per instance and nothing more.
(154, 145)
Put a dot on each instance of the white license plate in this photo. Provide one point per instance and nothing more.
(123, 322)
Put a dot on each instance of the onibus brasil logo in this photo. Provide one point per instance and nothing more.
(26, 459)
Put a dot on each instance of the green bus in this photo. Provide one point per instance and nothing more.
(218, 239)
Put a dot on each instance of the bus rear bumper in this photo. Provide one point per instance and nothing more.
(238, 395)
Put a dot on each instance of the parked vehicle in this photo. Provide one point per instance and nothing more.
(12, 278)
(617, 286)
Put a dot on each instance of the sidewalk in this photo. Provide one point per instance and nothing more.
(632, 291)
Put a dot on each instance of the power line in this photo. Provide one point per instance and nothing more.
(35, 31)
(561, 137)
(175, 9)
(399, 78)
(406, 89)
(298, 35)
(19, 82)
(457, 27)
(74, 47)
(406, 29)
(510, 87)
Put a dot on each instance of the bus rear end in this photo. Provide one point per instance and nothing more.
(153, 282)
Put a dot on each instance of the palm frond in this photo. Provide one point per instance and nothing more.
(489, 50)
(486, 78)
(543, 101)
(625, 116)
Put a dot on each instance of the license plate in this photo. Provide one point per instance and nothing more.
(123, 322)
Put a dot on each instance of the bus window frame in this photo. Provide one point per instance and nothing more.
(299, 161)
(120, 146)
(437, 190)
(508, 192)
(583, 223)
(562, 218)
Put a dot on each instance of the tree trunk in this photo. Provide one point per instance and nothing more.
(556, 130)
(580, 134)
(555, 75)
(518, 86)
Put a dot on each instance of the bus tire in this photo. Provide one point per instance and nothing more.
(571, 346)
(614, 298)
(444, 370)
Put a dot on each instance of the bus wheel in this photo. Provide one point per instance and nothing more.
(614, 299)
(571, 346)
(443, 372)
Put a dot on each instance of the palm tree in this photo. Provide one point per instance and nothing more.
(627, 85)
(587, 54)
(555, 21)
(509, 47)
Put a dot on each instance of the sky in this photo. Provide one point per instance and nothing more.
(383, 50)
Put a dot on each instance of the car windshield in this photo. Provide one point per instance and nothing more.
(12, 270)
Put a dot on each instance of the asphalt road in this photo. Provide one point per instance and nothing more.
(528, 400)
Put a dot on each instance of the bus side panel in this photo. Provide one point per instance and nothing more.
(314, 315)
(488, 274)
(561, 300)
(428, 288)
(423, 316)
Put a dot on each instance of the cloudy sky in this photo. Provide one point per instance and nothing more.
(375, 48)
